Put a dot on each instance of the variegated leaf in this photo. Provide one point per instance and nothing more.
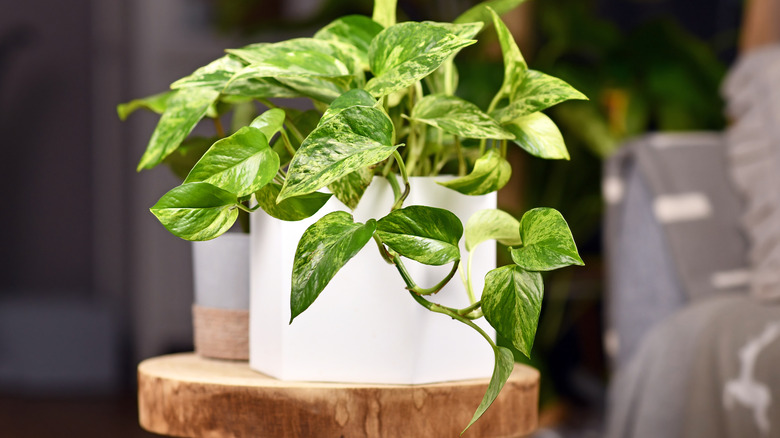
(504, 364)
(240, 164)
(259, 88)
(291, 209)
(536, 92)
(464, 30)
(514, 63)
(323, 249)
(511, 302)
(458, 117)
(539, 136)
(184, 111)
(355, 31)
(384, 12)
(270, 122)
(196, 211)
(492, 224)
(424, 234)
(407, 52)
(355, 138)
(350, 188)
(491, 172)
(214, 75)
(351, 98)
(480, 11)
(547, 242)
(155, 103)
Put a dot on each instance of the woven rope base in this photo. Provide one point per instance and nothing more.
(221, 333)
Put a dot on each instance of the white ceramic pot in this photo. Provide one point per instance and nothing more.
(221, 310)
(364, 327)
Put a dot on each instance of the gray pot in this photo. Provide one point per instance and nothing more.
(220, 314)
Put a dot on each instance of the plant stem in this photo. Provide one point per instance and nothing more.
(469, 287)
(247, 209)
(400, 161)
(218, 127)
(441, 284)
(383, 250)
(471, 308)
(394, 185)
(461, 159)
(287, 144)
(503, 148)
(291, 126)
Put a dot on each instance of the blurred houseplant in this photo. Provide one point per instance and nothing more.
(385, 109)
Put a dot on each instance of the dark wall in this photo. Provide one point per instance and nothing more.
(45, 224)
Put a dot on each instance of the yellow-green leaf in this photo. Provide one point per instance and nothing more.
(539, 136)
(492, 224)
(196, 211)
(547, 242)
(491, 172)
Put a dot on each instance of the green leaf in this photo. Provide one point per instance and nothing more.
(458, 117)
(424, 234)
(184, 111)
(539, 136)
(511, 302)
(384, 12)
(492, 224)
(491, 172)
(324, 248)
(214, 75)
(314, 68)
(514, 63)
(291, 209)
(505, 363)
(480, 11)
(350, 188)
(536, 92)
(155, 103)
(196, 211)
(270, 122)
(305, 122)
(407, 52)
(259, 88)
(240, 164)
(351, 98)
(463, 30)
(183, 159)
(355, 31)
(547, 242)
(355, 138)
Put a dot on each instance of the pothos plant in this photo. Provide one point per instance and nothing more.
(384, 105)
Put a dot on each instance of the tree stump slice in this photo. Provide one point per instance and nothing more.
(186, 395)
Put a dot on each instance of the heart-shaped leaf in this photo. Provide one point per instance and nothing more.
(240, 164)
(356, 97)
(270, 122)
(539, 136)
(458, 117)
(324, 248)
(407, 52)
(350, 188)
(547, 242)
(155, 103)
(536, 92)
(355, 138)
(355, 31)
(214, 75)
(424, 234)
(492, 224)
(491, 172)
(505, 363)
(196, 211)
(514, 63)
(184, 111)
(511, 302)
(291, 209)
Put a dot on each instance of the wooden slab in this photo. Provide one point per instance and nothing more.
(189, 396)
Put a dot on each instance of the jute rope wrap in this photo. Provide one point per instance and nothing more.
(221, 333)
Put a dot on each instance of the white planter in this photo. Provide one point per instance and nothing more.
(221, 310)
(364, 327)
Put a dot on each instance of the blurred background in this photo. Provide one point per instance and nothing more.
(91, 283)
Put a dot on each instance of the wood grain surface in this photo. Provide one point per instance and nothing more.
(189, 396)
